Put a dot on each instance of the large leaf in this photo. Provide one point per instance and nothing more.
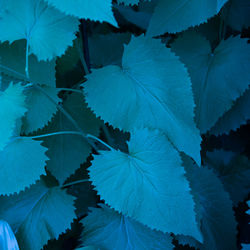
(147, 184)
(215, 209)
(219, 77)
(12, 103)
(12, 63)
(97, 10)
(38, 214)
(22, 162)
(238, 115)
(177, 15)
(47, 31)
(67, 152)
(40, 108)
(234, 172)
(105, 228)
(152, 89)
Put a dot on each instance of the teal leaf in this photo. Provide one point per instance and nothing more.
(238, 115)
(96, 10)
(234, 172)
(22, 163)
(148, 184)
(151, 89)
(215, 209)
(236, 14)
(105, 228)
(13, 107)
(67, 152)
(219, 77)
(38, 214)
(12, 63)
(48, 31)
(128, 2)
(7, 237)
(177, 15)
(40, 108)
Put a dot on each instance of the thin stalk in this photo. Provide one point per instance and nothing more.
(27, 59)
(69, 89)
(99, 140)
(55, 133)
(74, 183)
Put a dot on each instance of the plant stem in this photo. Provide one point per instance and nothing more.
(69, 89)
(27, 59)
(99, 140)
(56, 133)
(74, 183)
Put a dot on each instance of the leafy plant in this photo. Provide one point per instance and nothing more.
(114, 118)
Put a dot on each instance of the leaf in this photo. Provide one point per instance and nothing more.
(152, 89)
(177, 15)
(22, 162)
(12, 103)
(218, 224)
(48, 31)
(12, 58)
(67, 152)
(219, 77)
(234, 172)
(236, 14)
(148, 184)
(238, 115)
(104, 228)
(7, 237)
(41, 212)
(40, 108)
(96, 10)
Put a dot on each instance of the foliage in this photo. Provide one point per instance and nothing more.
(114, 117)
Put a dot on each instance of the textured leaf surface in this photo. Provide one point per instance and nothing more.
(67, 152)
(40, 212)
(48, 31)
(152, 89)
(218, 77)
(177, 15)
(107, 229)
(12, 103)
(238, 115)
(40, 108)
(214, 206)
(22, 162)
(148, 184)
(234, 172)
(97, 10)
(12, 63)
(7, 237)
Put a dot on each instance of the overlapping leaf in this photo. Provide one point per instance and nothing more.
(47, 31)
(219, 77)
(40, 108)
(38, 214)
(97, 10)
(105, 228)
(177, 15)
(22, 162)
(12, 108)
(66, 152)
(148, 184)
(152, 89)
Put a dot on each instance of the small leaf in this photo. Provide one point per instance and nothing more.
(105, 228)
(177, 15)
(219, 77)
(47, 31)
(12, 103)
(22, 163)
(96, 10)
(148, 184)
(38, 214)
(152, 89)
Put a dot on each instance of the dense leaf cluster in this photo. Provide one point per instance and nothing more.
(107, 109)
